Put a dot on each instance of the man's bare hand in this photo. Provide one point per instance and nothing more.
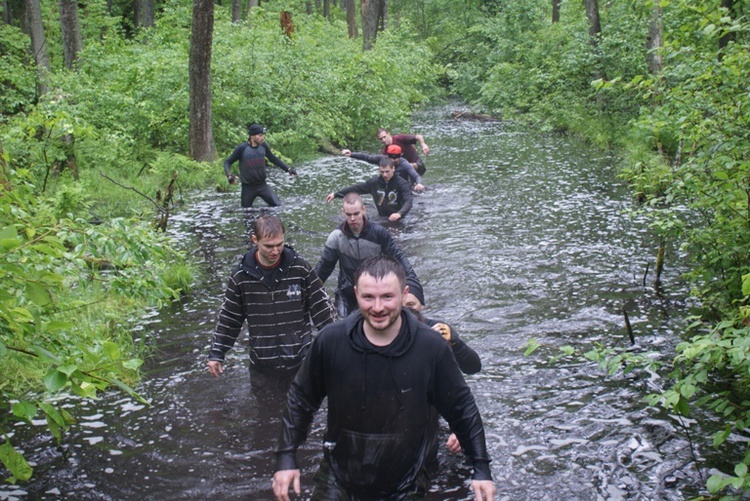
(484, 490)
(282, 480)
(215, 368)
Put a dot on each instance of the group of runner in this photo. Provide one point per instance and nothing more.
(386, 371)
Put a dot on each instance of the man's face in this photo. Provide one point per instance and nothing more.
(269, 249)
(385, 138)
(379, 301)
(395, 159)
(257, 139)
(355, 216)
(411, 302)
(386, 171)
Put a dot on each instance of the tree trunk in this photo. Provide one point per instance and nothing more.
(351, 18)
(201, 37)
(236, 11)
(38, 43)
(655, 41)
(250, 5)
(595, 27)
(370, 11)
(327, 9)
(308, 8)
(383, 15)
(730, 35)
(555, 11)
(144, 13)
(7, 12)
(71, 31)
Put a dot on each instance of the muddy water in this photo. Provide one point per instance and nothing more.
(519, 236)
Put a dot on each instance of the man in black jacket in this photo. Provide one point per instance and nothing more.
(252, 166)
(391, 193)
(382, 372)
(355, 240)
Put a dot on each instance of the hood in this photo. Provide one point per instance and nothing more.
(398, 347)
(251, 266)
(348, 231)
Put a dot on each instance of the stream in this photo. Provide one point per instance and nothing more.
(519, 236)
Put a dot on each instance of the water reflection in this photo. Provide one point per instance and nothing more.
(518, 236)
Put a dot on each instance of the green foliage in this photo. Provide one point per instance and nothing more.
(69, 294)
(17, 85)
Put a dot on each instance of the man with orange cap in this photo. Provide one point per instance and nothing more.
(402, 166)
(406, 142)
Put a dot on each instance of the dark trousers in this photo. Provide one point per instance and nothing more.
(327, 488)
(251, 191)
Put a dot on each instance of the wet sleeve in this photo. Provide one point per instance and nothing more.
(328, 259)
(455, 402)
(409, 168)
(274, 159)
(303, 400)
(361, 188)
(468, 359)
(231, 318)
(371, 159)
(321, 311)
(404, 191)
(234, 157)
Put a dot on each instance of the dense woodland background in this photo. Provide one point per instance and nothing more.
(110, 110)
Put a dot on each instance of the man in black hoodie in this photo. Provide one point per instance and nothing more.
(382, 372)
(391, 193)
(351, 243)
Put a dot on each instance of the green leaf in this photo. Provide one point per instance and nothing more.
(57, 325)
(55, 380)
(24, 410)
(715, 483)
(68, 370)
(683, 407)
(133, 364)
(46, 355)
(740, 470)
(9, 238)
(15, 462)
(111, 350)
(38, 294)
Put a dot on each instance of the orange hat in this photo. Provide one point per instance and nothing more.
(394, 149)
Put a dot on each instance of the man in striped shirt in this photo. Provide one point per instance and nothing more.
(280, 296)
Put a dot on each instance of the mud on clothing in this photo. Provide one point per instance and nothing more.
(280, 309)
(380, 400)
(349, 251)
(390, 197)
(253, 174)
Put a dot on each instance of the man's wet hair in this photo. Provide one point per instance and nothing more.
(379, 267)
(385, 160)
(267, 226)
(353, 198)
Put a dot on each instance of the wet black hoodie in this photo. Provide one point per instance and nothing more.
(379, 402)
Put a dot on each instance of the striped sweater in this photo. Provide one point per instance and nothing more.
(279, 315)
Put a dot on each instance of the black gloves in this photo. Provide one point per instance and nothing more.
(232, 179)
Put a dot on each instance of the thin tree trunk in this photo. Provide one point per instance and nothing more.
(655, 41)
(327, 9)
(383, 15)
(250, 5)
(729, 36)
(595, 27)
(38, 43)
(236, 11)
(555, 11)
(7, 12)
(71, 31)
(308, 8)
(144, 13)
(201, 37)
(351, 19)
(370, 11)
